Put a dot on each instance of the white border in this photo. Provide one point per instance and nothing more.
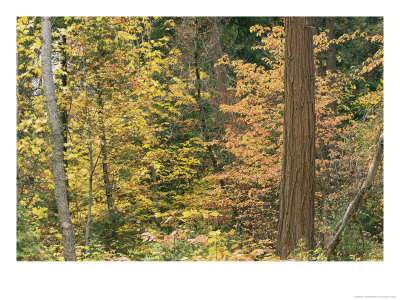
(198, 280)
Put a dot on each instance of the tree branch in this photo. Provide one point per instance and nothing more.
(355, 203)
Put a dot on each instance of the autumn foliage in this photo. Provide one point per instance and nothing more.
(192, 161)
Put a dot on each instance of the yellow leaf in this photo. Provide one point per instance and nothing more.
(186, 214)
(211, 240)
(37, 43)
(214, 214)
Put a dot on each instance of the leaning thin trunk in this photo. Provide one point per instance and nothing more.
(58, 144)
(355, 203)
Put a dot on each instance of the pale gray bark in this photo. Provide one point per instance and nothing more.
(58, 144)
(355, 203)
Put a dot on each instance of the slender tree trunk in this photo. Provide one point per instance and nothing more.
(90, 200)
(106, 171)
(220, 70)
(361, 194)
(323, 152)
(155, 192)
(91, 171)
(58, 144)
(92, 167)
(296, 220)
(63, 107)
(331, 53)
(200, 104)
(103, 145)
(319, 71)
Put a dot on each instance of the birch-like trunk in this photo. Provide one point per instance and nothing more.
(58, 144)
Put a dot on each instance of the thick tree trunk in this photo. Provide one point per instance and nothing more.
(58, 144)
(355, 203)
(296, 220)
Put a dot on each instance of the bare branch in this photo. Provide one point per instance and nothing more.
(355, 203)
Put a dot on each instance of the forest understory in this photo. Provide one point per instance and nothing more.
(199, 138)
